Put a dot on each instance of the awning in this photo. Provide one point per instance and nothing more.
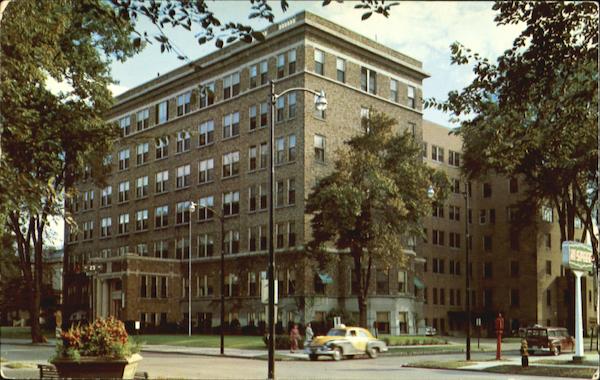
(418, 283)
(325, 278)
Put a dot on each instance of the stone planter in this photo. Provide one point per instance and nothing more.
(95, 367)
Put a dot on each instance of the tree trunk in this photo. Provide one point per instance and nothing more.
(362, 311)
(363, 286)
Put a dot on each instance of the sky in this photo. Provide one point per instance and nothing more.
(422, 30)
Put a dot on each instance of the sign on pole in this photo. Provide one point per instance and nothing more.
(577, 256)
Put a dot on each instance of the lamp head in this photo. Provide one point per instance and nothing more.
(431, 192)
(192, 207)
(321, 101)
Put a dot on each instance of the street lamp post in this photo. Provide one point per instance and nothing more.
(191, 209)
(467, 270)
(321, 105)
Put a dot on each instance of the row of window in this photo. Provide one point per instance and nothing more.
(258, 74)
(438, 296)
(368, 79)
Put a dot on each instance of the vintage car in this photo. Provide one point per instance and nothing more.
(549, 339)
(345, 341)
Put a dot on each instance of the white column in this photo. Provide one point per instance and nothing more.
(578, 317)
(105, 299)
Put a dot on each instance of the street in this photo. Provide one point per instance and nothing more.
(180, 366)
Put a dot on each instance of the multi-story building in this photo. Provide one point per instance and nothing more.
(515, 269)
(200, 134)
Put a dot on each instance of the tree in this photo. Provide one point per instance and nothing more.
(375, 199)
(533, 114)
(49, 139)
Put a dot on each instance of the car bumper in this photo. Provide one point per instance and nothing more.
(319, 350)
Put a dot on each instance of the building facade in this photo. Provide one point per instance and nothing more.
(200, 134)
(516, 270)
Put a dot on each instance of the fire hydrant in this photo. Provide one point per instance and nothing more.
(524, 354)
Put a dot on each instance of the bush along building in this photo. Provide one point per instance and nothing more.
(515, 267)
(200, 134)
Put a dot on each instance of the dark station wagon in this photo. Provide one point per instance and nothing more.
(549, 339)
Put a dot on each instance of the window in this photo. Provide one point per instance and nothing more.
(340, 66)
(106, 199)
(183, 176)
(292, 148)
(253, 75)
(319, 62)
(487, 190)
(253, 238)
(162, 147)
(514, 268)
(206, 171)
(368, 80)
(487, 243)
(291, 105)
(206, 208)
(162, 112)
(291, 61)
(252, 158)
(394, 90)
(231, 85)
(141, 220)
(454, 240)
(207, 94)
(547, 214)
(125, 125)
(291, 191)
(279, 191)
(232, 242)
(402, 288)
(182, 249)
(264, 72)
(438, 210)
(280, 66)
(142, 119)
(549, 267)
(513, 185)
(183, 103)
(492, 215)
(253, 118)
(412, 128)
(142, 250)
(382, 277)
(279, 235)
(514, 297)
(291, 234)
(264, 112)
(482, 216)
(279, 110)
(123, 224)
(161, 216)
(205, 245)
(183, 141)
(257, 197)
(231, 203)
(105, 227)
(437, 237)
(264, 155)
(453, 158)
(141, 187)
(411, 97)
(319, 148)
(514, 240)
(511, 214)
(231, 164)
(548, 297)
(142, 153)
(183, 212)
(123, 191)
(437, 153)
(487, 270)
(456, 186)
(231, 125)
(124, 159)
(206, 133)
(454, 213)
(88, 200)
(161, 181)
(280, 150)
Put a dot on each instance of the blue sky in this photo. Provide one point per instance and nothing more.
(423, 30)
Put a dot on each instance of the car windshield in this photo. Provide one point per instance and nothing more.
(336, 332)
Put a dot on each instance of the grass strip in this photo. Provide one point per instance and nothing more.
(568, 372)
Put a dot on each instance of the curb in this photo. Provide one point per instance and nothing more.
(409, 365)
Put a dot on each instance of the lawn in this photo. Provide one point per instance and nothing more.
(8, 332)
(401, 351)
(411, 340)
(231, 341)
(454, 364)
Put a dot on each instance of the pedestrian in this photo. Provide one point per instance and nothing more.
(309, 333)
(294, 335)
(375, 330)
(524, 354)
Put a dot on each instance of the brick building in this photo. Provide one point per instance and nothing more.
(516, 271)
(199, 133)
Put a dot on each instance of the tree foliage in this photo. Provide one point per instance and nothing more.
(533, 113)
(375, 199)
(49, 138)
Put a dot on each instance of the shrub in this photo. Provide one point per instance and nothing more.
(282, 342)
(103, 337)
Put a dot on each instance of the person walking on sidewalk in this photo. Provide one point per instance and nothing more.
(309, 333)
(294, 335)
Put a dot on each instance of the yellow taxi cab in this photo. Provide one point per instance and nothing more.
(343, 341)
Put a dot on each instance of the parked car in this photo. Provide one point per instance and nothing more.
(549, 339)
(430, 331)
(347, 342)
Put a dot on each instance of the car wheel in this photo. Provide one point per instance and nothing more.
(313, 357)
(556, 350)
(373, 352)
(337, 354)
